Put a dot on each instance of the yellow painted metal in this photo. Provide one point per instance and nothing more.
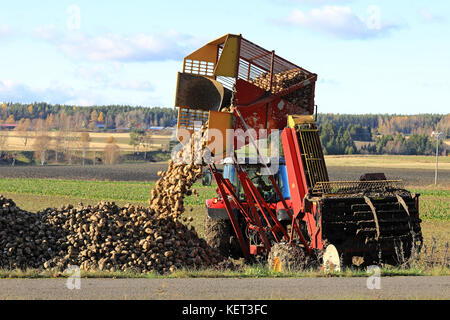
(229, 58)
(208, 52)
(218, 123)
(299, 119)
(311, 148)
(188, 119)
(276, 265)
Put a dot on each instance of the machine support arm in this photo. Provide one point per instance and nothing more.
(219, 181)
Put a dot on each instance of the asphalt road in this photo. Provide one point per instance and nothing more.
(264, 288)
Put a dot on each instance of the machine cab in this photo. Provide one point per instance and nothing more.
(255, 172)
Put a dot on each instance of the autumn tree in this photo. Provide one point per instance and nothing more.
(147, 142)
(50, 121)
(23, 128)
(58, 140)
(85, 140)
(68, 137)
(42, 141)
(111, 153)
(3, 140)
(10, 120)
(136, 138)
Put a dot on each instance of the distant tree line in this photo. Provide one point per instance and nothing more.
(384, 134)
(112, 116)
(374, 134)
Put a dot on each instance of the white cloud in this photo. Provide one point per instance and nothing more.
(125, 92)
(19, 92)
(429, 17)
(105, 77)
(319, 1)
(47, 32)
(14, 91)
(170, 45)
(134, 85)
(341, 21)
(4, 30)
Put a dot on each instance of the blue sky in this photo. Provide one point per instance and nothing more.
(370, 56)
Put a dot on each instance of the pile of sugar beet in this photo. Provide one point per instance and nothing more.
(109, 237)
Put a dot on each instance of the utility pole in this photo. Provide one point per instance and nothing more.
(438, 135)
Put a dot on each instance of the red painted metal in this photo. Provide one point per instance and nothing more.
(237, 229)
(264, 208)
(256, 250)
(293, 218)
(251, 204)
(294, 166)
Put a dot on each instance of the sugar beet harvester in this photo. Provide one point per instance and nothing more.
(295, 215)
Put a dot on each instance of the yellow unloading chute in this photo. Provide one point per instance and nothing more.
(199, 97)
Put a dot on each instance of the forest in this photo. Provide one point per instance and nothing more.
(339, 133)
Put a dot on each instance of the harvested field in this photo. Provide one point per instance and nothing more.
(120, 172)
(415, 176)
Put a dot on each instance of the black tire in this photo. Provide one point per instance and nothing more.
(285, 257)
(217, 234)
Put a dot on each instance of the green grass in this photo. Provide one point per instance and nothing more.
(434, 202)
(94, 190)
(247, 271)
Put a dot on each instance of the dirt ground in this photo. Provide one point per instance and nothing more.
(147, 172)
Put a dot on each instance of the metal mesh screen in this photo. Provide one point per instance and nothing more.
(355, 187)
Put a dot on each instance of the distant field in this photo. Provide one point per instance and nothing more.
(414, 171)
(389, 161)
(15, 140)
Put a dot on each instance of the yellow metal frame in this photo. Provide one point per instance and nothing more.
(205, 61)
(294, 120)
(308, 136)
(189, 119)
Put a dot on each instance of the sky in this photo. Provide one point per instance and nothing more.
(376, 56)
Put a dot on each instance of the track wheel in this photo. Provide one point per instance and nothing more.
(217, 234)
(284, 257)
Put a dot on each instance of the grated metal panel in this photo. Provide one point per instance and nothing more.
(199, 67)
(355, 187)
(316, 169)
(191, 118)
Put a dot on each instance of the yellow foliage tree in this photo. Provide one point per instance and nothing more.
(10, 120)
(94, 116)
